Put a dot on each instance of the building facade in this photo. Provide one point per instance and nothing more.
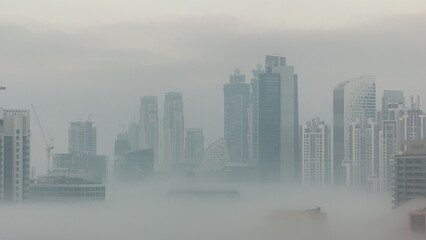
(389, 140)
(316, 153)
(413, 122)
(362, 167)
(82, 160)
(291, 170)
(410, 171)
(269, 163)
(173, 158)
(148, 125)
(65, 189)
(391, 99)
(194, 146)
(254, 116)
(236, 122)
(133, 136)
(352, 100)
(82, 137)
(393, 107)
(16, 155)
(215, 157)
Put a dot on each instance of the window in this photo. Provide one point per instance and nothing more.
(17, 131)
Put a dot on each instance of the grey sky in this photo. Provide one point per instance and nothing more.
(290, 13)
(73, 58)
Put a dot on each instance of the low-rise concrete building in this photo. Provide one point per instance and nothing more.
(50, 188)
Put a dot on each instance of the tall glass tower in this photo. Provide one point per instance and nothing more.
(289, 129)
(148, 126)
(269, 163)
(173, 134)
(352, 100)
(82, 137)
(236, 120)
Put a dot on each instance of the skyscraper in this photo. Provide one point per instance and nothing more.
(390, 141)
(82, 159)
(82, 137)
(133, 136)
(173, 130)
(351, 101)
(16, 161)
(148, 126)
(194, 146)
(316, 153)
(391, 99)
(413, 122)
(269, 93)
(236, 126)
(393, 107)
(254, 116)
(362, 164)
(290, 149)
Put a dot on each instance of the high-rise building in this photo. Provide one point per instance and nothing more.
(391, 99)
(16, 155)
(82, 137)
(194, 147)
(352, 100)
(290, 144)
(81, 160)
(269, 94)
(254, 116)
(173, 134)
(389, 145)
(133, 136)
(413, 122)
(236, 99)
(121, 145)
(410, 165)
(148, 126)
(393, 104)
(316, 153)
(362, 164)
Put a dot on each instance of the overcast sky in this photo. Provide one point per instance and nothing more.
(74, 58)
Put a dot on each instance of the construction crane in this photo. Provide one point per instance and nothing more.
(90, 116)
(49, 145)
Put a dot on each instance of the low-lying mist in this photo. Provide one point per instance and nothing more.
(145, 211)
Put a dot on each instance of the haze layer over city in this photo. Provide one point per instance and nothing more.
(212, 119)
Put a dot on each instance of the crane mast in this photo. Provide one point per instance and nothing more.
(49, 145)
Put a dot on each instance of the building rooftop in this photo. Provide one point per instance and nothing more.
(414, 147)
